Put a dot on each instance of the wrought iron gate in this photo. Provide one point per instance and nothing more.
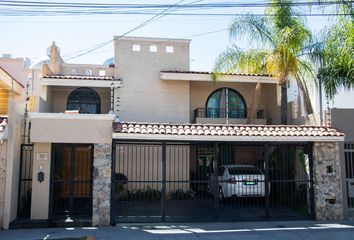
(183, 181)
(25, 181)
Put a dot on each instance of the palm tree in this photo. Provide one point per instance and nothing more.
(283, 36)
(333, 52)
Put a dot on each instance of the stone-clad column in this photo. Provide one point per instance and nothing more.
(101, 196)
(327, 180)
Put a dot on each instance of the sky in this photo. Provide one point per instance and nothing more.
(29, 36)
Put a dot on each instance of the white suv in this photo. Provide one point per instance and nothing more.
(240, 181)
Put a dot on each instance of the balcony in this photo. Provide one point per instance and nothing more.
(233, 115)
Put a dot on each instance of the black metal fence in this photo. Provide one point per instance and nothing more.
(220, 113)
(169, 181)
(349, 172)
(25, 181)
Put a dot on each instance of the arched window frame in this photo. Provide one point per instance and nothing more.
(224, 112)
(78, 93)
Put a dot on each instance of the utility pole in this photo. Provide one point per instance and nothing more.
(227, 105)
(319, 77)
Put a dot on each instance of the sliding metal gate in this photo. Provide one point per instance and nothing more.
(169, 181)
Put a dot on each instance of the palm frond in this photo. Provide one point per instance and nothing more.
(254, 27)
(235, 60)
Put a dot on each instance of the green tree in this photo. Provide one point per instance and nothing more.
(283, 36)
(334, 52)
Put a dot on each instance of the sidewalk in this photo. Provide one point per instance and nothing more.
(246, 231)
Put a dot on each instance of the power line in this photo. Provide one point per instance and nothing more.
(44, 4)
(150, 20)
(198, 14)
(42, 8)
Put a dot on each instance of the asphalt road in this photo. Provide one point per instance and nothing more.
(302, 230)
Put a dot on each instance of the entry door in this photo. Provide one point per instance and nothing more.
(72, 180)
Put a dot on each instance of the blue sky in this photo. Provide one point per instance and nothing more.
(30, 36)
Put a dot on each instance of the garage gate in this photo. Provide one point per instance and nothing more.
(211, 181)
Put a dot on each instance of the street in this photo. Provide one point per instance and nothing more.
(219, 230)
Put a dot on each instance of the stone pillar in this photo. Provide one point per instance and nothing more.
(327, 180)
(101, 195)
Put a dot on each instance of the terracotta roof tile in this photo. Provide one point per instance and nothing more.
(80, 77)
(226, 130)
(204, 72)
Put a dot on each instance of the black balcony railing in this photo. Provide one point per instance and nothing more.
(220, 113)
(233, 113)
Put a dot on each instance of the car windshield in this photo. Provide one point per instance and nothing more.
(243, 170)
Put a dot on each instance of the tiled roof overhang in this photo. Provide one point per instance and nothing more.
(78, 77)
(232, 133)
(204, 72)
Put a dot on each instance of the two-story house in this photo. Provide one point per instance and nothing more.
(148, 140)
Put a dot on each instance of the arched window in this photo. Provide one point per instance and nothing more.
(85, 100)
(226, 102)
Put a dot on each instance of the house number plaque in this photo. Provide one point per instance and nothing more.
(42, 156)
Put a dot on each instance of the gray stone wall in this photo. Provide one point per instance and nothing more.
(101, 196)
(3, 151)
(327, 180)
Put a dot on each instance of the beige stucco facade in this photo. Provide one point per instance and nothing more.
(40, 190)
(149, 94)
(66, 128)
(143, 96)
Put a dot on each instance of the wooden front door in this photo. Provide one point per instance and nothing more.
(72, 180)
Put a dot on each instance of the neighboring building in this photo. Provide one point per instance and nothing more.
(339, 114)
(12, 78)
(179, 146)
(13, 74)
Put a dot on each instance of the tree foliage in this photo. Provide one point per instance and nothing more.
(337, 69)
(283, 36)
(334, 52)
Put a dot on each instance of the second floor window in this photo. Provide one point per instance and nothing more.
(85, 100)
(226, 102)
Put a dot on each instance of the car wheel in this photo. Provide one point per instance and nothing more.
(221, 197)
